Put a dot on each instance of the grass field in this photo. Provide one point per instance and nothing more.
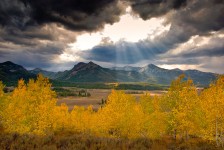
(96, 97)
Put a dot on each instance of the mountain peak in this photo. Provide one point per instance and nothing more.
(78, 66)
(152, 66)
(11, 65)
(80, 63)
(8, 63)
(92, 64)
(84, 66)
(37, 69)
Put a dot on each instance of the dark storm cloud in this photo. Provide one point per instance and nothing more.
(74, 14)
(217, 51)
(46, 50)
(21, 20)
(14, 13)
(155, 8)
(201, 17)
(188, 11)
(28, 37)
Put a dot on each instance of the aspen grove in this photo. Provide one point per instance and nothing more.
(181, 113)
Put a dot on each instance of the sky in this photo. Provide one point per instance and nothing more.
(55, 35)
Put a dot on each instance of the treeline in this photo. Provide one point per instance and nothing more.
(63, 92)
(181, 113)
(118, 86)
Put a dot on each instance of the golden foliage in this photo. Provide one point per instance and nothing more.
(30, 107)
(212, 104)
(182, 112)
(1, 89)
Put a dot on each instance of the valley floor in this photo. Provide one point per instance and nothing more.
(96, 97)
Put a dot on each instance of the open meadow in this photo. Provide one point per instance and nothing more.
(96, 97)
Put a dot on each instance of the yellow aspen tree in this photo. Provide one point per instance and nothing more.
(155, 123)
(170, 102)
(2, 103)
(1, 89)
(42, 101)
(180, 103)
(212, 103)
(146, 102)
(30, 107)
(81, 119)
(61, 118)
(121, 115)
(13, 116)
(2, 96)
(186, 112)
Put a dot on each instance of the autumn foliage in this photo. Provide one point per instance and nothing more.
(181, 113)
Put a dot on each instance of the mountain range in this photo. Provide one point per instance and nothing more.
(91, 72)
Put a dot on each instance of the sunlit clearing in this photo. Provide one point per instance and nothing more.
(86, 41)
(130, 29)
(68, 57)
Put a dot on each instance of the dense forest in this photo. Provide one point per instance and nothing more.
(182, 114)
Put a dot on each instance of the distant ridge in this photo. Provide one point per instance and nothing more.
(48, 74)
(91, 72)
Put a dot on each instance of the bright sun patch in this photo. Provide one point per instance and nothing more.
(130, 29)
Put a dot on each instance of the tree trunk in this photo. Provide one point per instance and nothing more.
(216, 132)
(175, 134)
(187, 136)
(221, 138)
